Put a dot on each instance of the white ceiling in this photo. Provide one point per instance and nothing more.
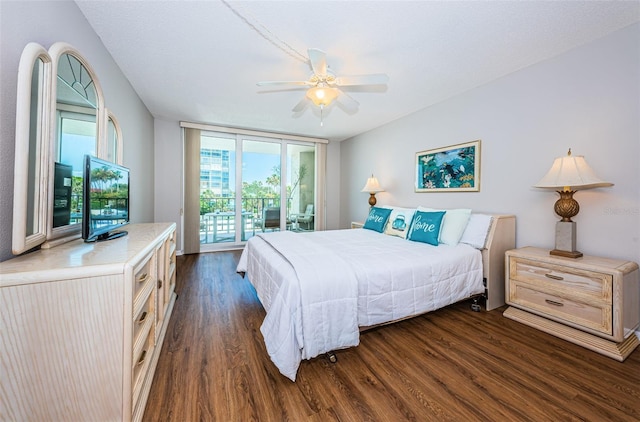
(198, 61)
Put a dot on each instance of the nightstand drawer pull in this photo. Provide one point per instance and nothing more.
(553, 302)
(554, 277)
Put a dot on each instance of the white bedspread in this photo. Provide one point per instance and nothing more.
(308, 295)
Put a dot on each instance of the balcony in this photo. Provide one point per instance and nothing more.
(218, 218)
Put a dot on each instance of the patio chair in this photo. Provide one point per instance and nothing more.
(306, 218)
(270, 218)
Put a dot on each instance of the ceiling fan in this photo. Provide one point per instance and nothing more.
(324, 86)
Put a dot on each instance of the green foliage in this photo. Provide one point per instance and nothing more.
(76, 192)
(103, 179)
(269, 189)
(211, 202)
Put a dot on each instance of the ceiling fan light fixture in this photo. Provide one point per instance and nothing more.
(322, 95)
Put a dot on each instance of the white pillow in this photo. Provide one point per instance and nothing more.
(477, 230)
(399, 222)
(453, 224)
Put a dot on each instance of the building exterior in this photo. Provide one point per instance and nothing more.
(214, 171)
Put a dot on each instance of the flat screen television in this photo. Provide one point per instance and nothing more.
(105, 199)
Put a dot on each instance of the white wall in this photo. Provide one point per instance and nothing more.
(48, 22)
(168, 174)
(587, 99)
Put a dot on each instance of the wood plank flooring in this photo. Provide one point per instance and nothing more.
(449, 365)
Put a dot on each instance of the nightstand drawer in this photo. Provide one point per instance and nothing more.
(573, 282)
(596, 316)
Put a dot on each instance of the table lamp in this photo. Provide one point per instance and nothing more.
(372, 186)
(568, 175)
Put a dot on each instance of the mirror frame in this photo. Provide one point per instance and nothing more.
(21, 241)
(119, 150)
(63, 234)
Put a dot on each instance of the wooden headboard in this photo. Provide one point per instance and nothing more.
(501, 238)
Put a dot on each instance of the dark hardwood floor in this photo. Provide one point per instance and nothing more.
(452, 364)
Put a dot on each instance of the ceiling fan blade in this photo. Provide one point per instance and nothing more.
(346, 102)
(301, 105)
(318, 60)
(268, 83)
(373, 79)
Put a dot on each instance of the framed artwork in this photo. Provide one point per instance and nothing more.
(455, 168)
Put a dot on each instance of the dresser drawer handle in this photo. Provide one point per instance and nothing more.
(553, 302)
(144, 277)
(143, 317)
(554, 277)
(142, 356)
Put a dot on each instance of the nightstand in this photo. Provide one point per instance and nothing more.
(356, 225)
(590, 301)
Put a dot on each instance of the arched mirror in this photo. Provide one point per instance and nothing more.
(60, 117)
(77, 113)
(31, 149)
(114, 140)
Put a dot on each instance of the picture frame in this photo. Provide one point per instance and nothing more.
(454, 168)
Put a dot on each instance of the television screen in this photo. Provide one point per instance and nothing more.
(105, 199)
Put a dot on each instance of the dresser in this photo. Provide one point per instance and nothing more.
(590, 301)
(83, 325)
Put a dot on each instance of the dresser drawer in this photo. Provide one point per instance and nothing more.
(575, 282)
(141, 359)
(143, 317)
(595, 315)
(143, 274)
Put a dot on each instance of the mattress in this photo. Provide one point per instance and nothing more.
(319, 287)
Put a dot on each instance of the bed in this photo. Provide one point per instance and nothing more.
(320, 289)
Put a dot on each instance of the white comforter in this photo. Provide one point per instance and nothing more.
(318, 287)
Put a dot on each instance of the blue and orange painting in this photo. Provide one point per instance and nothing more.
(452, 168)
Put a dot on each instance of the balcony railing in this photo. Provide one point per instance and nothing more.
(224, 204)
(217, 217)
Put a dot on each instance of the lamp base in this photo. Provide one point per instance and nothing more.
(372, 199)
(566, 240)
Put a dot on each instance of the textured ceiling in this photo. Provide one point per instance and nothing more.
(199, 61)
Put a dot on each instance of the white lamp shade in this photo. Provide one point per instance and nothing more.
(372, 186)
(572, 173)
(321, 95)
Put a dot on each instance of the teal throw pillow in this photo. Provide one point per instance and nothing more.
(377, 219)
(425, 227)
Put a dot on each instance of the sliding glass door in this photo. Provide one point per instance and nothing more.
(301, 187)
(217, 188)
(261, 182)
(251, 185)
